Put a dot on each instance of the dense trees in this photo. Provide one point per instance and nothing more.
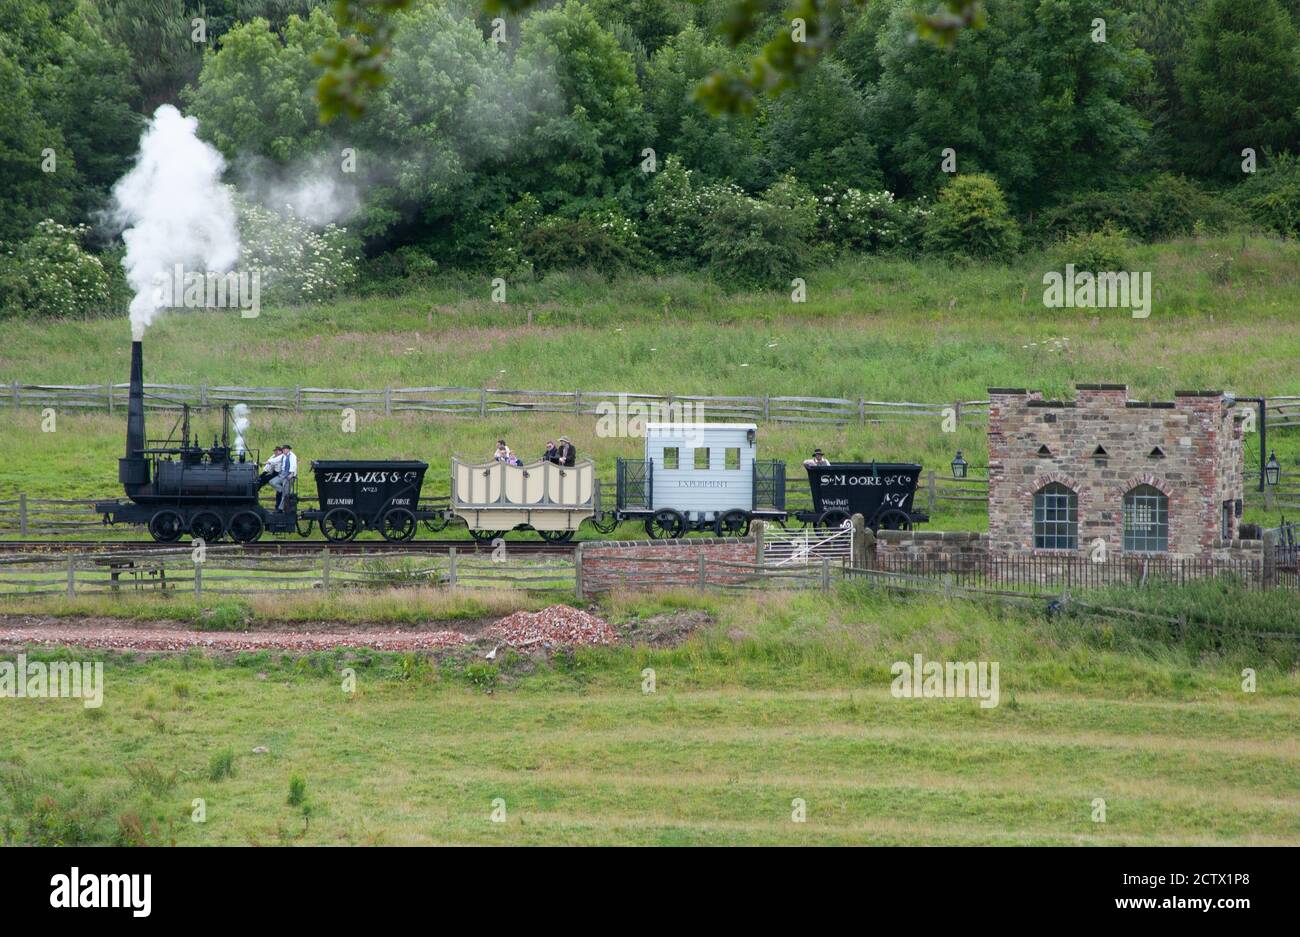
(577, 132)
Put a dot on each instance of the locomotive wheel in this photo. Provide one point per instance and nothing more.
(666, 525)
(397, 524)
(486, 536)
(555, 536)
(339, 525)
(893, 519)
(732, 524)
(605, 524)
(208, 526)
(246, 527)
(304, 526)
(166, 526)
(832, 520)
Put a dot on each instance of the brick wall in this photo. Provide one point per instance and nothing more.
(1101, 445)
(639, 563)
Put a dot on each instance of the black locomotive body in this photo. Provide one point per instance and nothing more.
(176, 488)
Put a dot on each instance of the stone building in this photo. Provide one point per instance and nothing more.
(1145, 478)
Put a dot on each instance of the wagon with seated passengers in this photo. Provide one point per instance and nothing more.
(882, 492)
(493, 497)
(700, 476)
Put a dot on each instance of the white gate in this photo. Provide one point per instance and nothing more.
(806, 546)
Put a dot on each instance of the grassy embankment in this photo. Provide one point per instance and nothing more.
(767, 703)
(886, 329)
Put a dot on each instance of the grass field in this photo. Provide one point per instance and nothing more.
(765, 704)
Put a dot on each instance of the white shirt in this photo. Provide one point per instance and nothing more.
(273, 463)
(290, 464)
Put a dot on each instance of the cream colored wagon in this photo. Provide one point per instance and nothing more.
(492, 497)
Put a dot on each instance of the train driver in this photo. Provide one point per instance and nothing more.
(817, 459)
(271, 468)
(283, 483)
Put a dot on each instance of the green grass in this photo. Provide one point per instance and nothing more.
(761, 708)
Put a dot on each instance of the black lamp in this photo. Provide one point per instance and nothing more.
(1272, 470)
(959, 466)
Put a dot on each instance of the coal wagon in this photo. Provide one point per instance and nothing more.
(379, 495)
(882, 492)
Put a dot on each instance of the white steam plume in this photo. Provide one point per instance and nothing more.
(176, 211)
(239, 416)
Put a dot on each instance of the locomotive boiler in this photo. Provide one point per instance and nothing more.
(176, 486)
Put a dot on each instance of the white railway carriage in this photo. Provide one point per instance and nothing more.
(700, 476)
(551, 499)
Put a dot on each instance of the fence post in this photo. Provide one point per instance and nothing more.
(451, 567)
(203, 395)
(577, 572)
(72, 577)
(1269, 560)
(22, 514)
(108, 392)
(577, 402)
(858, 549)
(198, 582)
(932, 491)
(767, 408)
(702, 577)
(16, 395)
(388, 401)
(826, 574)
(862, 411)
(325, 568)
(297, 399)
(758, 528)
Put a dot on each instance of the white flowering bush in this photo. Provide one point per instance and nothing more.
(51, 274)
(527, 242)
(875, 222)
(297, 263)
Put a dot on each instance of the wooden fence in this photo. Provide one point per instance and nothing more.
(478, 402)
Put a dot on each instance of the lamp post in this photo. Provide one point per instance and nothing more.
(958, 466)
(1272, 470)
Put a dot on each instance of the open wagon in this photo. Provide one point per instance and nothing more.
(882, 492)
(356, 495)
(493, 497)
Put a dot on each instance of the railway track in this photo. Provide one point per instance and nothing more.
(288, 547)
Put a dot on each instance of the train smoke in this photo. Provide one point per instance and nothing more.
(175, 210)
(239, 416)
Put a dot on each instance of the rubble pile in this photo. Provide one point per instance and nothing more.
(558, 624)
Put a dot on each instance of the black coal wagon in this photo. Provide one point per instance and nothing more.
(356, 495)
(882, 492)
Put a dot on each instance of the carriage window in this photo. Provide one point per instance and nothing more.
(1146, 520)
(732, 458)
(1056, 518)
(702, 459)
(670, 457)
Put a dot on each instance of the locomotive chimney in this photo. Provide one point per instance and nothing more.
(134, 468)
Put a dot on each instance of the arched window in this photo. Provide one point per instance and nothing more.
(1146, 520)
(1056, 518)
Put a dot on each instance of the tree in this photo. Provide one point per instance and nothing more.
(970, 218)
(1241, 84)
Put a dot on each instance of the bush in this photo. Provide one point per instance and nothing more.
(51, 274)
(297, 791)
(222, 765)
(297, 263)
(1165, 206)
(756, 242)
(1271, 197)
(527, 242)
(1095, 251)
(873, 222)
(971, 219)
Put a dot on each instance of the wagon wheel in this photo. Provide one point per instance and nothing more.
(339, 525)
(893, 519)
(832, 520)
(555, 536)
(166, 526)
(397, 524)
(732, 524)
(605, 523)
(486, 536)
(246, 527)
(304, 525)
(208, 525)
(666, 524)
